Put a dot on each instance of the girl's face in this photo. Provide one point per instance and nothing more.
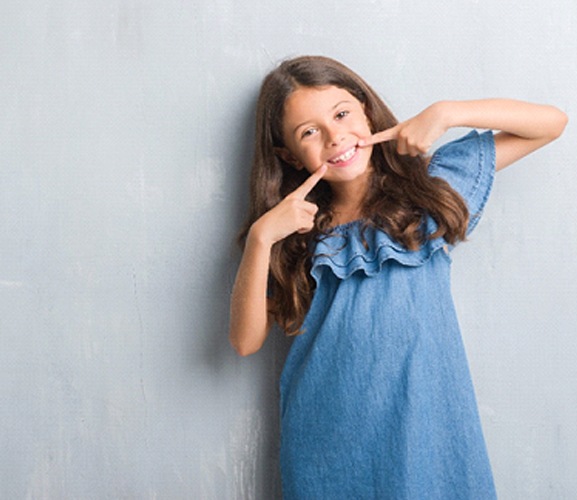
(323, 125)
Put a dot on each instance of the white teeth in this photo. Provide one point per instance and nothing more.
(345, 156)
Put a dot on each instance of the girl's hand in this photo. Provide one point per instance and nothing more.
(292, 215)
(414, 136)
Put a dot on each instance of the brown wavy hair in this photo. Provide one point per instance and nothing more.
(400, 195)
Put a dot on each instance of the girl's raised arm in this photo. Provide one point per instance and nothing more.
(523, 127)
(250, 320)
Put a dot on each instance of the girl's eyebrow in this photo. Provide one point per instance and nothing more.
(332, 109)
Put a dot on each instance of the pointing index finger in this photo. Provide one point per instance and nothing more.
(383, 136)
(307, 186)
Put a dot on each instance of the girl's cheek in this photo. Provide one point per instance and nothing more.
(306, 155)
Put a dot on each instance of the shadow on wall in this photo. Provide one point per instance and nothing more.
(258, 418)
(216, 351)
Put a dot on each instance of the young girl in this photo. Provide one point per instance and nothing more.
(347, 248)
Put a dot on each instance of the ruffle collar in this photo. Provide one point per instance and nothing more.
(343, 251)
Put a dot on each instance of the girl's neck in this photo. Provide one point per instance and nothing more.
(348, 201)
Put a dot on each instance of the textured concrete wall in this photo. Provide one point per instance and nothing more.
(125, 140)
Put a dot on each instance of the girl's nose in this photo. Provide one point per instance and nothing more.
(334, 137)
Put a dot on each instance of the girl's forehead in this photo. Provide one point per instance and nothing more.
(310, 100)
(317, 93)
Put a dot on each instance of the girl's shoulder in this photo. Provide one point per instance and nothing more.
(470, 151)
(468, 165)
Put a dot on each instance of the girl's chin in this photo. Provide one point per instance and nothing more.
(353, 166)
(339, 175)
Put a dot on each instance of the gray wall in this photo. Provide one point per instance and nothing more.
(125, 136)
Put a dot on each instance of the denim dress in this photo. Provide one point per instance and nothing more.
(376, 396)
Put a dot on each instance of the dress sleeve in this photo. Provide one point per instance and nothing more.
(468, 165)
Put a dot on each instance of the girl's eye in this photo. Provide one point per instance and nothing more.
(342, 114)
(307, 132)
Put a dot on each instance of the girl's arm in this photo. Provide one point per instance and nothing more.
(524, 127)
(250, 320)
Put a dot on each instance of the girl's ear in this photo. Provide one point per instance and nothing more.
(285, 155)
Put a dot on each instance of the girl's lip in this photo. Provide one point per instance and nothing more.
(346, 163)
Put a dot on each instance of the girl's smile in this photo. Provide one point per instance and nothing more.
(344, 159)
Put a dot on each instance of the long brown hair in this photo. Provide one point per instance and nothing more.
(400, 195)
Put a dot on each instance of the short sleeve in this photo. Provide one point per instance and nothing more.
(468, 165)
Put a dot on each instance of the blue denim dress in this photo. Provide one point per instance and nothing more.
(376, 397)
